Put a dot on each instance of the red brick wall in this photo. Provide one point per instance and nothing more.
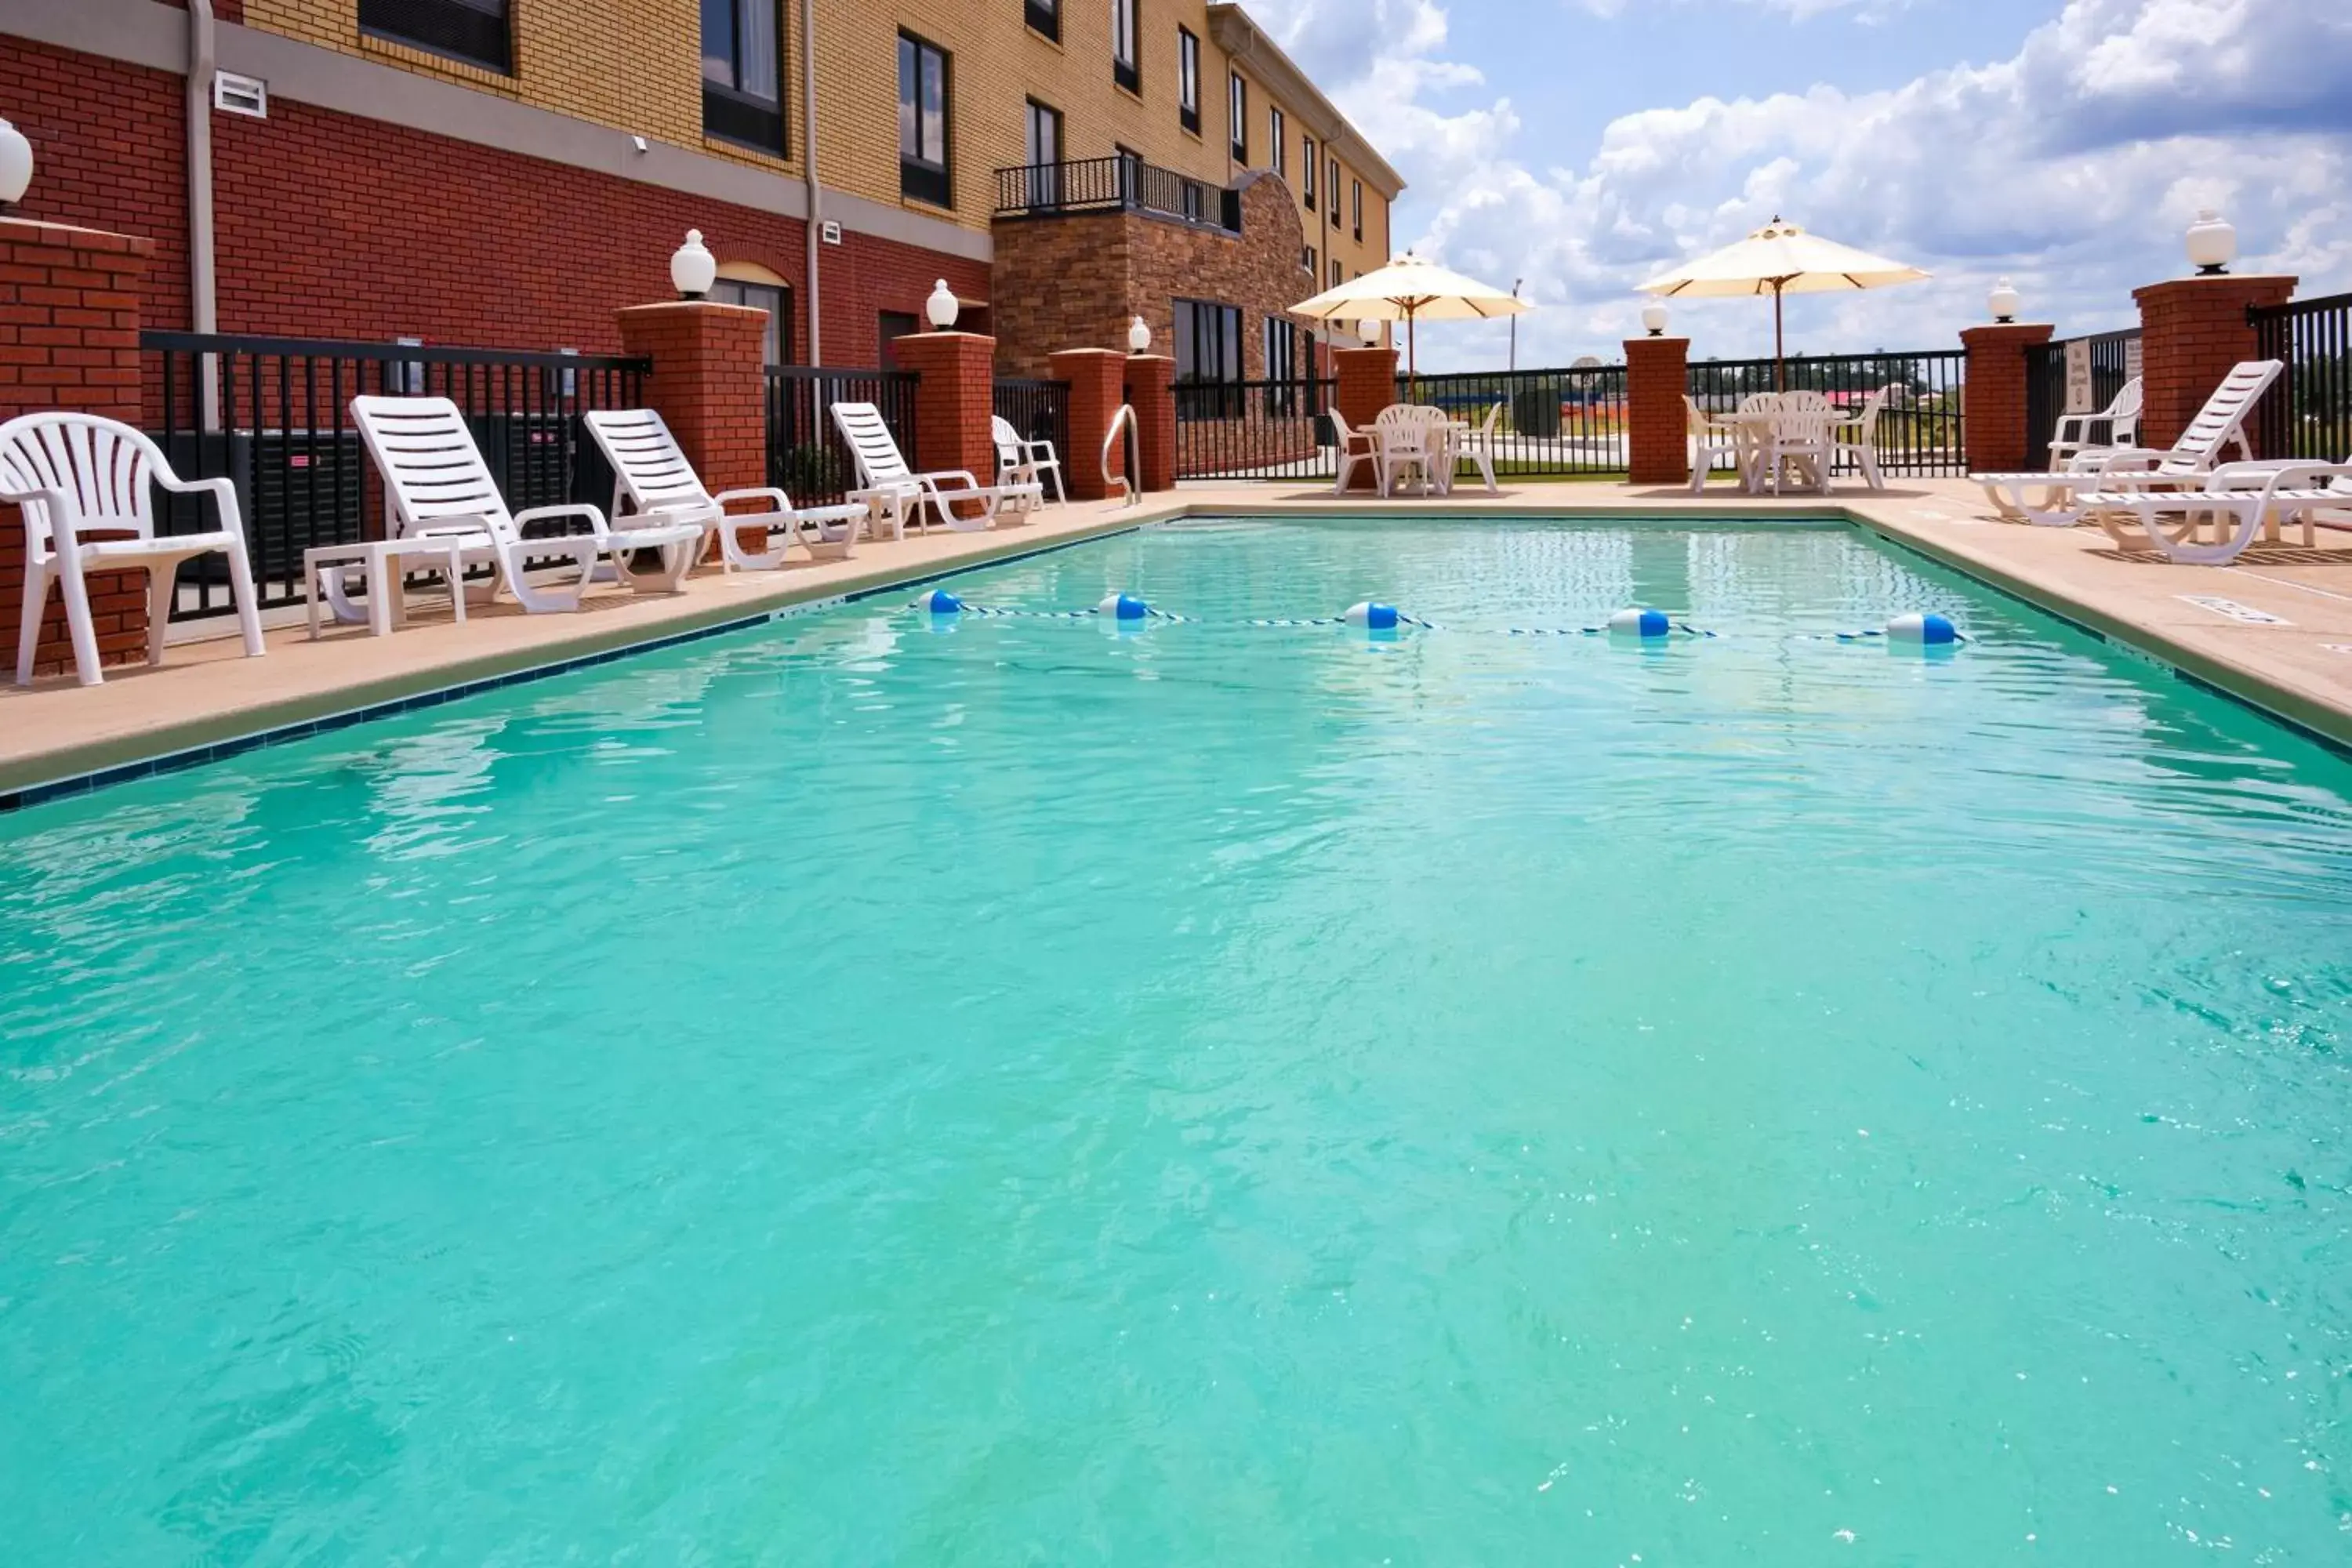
(708, 387)
(1366, 384)
(69, 339)
(953, 402)
(1658, 425)
(1151, 393)
(2192, 330)
(1098, 380)
(1992, 399)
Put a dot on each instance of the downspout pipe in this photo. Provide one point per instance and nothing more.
(808, 168)
(204, 297)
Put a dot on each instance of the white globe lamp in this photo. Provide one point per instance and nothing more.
(1653, 317)
(2003, 301)
(1370, 333)
(2212, 243)
(1139, 336)
(692, 269)
(16, 164)
(941, 307)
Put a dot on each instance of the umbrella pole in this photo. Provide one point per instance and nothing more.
(1779, 355)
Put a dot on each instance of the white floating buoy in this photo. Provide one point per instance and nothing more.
(939, 602)
(1931, 630)
(1124, 608)
(1641, 624)
(1376, 617)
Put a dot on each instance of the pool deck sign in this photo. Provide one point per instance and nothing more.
(2245, 614)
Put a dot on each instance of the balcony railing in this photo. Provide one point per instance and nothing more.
(1117, 184)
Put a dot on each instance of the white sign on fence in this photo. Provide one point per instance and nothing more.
(2078, 377)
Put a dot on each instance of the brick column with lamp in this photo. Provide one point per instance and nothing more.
(1151, 393)
(1992, 399)
(1658, 425)
(954, 401)
(1097, 379)
(710, 386)
(70, 301)
(1367, 384)
(2192, 331)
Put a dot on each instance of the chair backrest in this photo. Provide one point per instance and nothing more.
(2222, 420)
(1695, 418)
(1494, 421)
(650, 469)
(871, 444)
(434, 476)
(102, 470)
(1760, 403)
(1006, 438)
(2129, 399)
(1397, 414)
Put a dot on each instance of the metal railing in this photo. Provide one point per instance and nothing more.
(2111, 358)
(1254, 429)
(1554, 423)
(1920, 432)
(806, 455)
(2309, 414)
(272, 417)
(1039, 410)
(1117, 183)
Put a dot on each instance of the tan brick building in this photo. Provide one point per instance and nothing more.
(507, 173)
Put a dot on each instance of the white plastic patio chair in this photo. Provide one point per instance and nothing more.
(72, 473)
(1352, 449)
(1712, 442)
(2240, 497)
(1409, 442)
(653, 481)
(1021, 461)
(2185, 465)
(883, 477)
(2071, 439)
(435, 482)
(1477, 444)
(1858, 437)
(1802, 437)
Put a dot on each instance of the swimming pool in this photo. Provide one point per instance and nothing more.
(860, 1091)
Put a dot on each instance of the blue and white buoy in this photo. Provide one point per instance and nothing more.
(1644, 624)
(1375, 617)
(1929, 630)
(1123, 607)
(939, 602)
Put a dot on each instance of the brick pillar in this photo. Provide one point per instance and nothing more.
(953, 402)
(1097, 379)
(1658, 426)
(70, 307)
(710, 386)
(2192, 330)
(1992, 399)
(1367, 384)
(1151, 392)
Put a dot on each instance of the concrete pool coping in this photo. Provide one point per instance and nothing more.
(59, 738)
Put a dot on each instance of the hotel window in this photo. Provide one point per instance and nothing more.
(1357, 192)
(742, 90)
(1042, 146)
(1124, 68)
(1208, 342)
(1307, 262)
(1335, 272)
(1044, 16)
(1331, 190)
(474, 31)
(1289, 352)
(776, 299)
(923, 122)
(889, 326)
(1278, 149)
(1237, 112)
(1307, 148)
(1188, 79)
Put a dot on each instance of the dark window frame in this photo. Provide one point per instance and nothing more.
(1237, 115)
(919, 177)
(1188, 79)
(1044, 17)
(885, 323)
(1313, 155)
(1212, 325)
(779, 314)
(1359, 191)
(1128, 71)
(744, 119)
(436, 26)
(1278, 133)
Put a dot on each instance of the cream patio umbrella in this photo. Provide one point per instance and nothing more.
(1780, 259)
(1410, 290)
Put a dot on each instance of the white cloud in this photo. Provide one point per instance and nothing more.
(2072, 166)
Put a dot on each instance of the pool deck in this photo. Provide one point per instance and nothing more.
(2297, 665)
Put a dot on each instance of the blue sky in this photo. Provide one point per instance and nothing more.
(1584, 145)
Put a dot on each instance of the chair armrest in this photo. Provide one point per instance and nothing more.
(934, 480)
(2275, 477)
(2117, 458)
(1040, 452)
(766, 494)
(224, 494)
(594, 515)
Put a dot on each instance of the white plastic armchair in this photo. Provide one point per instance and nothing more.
(1712, 442)
(1479, 445)
(1411, 442)
(76, 474)
(885, 479)
(653, 481)
(1857, 438)
(435, 482)
(1352, 449)
(2071, 439)
(1021, 461)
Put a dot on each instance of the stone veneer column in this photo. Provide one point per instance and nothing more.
(954, 401)
(2192, 330)
(1098, 380)
(1367, 384)
(1992, 399)
(1658, 425)
(710, 386)
(70, 307)
(1151, 393)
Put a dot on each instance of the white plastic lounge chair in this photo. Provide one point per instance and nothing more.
(883, 477)
(72, 472)
(2071, 439)
(1479, 445)
(2185, 465)
(653, 481)
(1353, 449)
(1711, 443)
(1857, 438)
(1020, 461)
(435, 482)
(2240, 497)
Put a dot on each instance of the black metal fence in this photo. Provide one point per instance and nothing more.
(1253, 429)
(2310, 414)
(1039, 411)
(1920, 432)
(1554, 423)
(2111, 358)
(1116, 183)
(806, 457)
(272, 417)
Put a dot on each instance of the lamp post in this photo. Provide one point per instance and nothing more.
(1139, 336)
(2003, 302)
(941, 307)
(1653, 319)
(16, 165)
(2212, 243)
(692, 269)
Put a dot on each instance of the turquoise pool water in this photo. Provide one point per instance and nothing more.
(849, 1092)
